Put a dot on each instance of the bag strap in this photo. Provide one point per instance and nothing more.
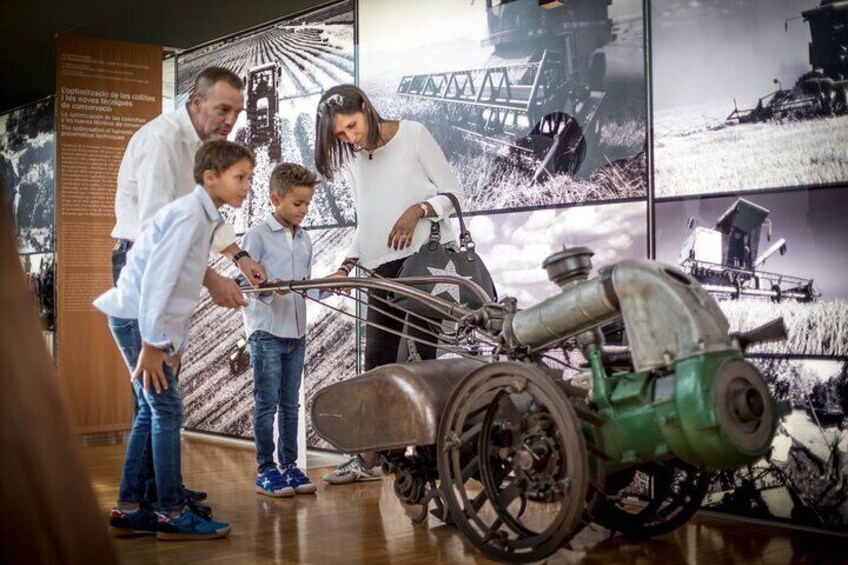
(465, 240)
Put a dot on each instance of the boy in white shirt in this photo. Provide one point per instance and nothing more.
(149, 313)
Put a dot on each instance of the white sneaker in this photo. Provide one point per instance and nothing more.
(351, 471)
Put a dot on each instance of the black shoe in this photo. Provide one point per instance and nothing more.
(199, 508)
(142, 521)
(194, 495)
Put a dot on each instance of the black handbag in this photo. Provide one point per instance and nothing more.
(437, 259)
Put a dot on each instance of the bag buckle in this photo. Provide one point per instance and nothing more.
(469, 245)
(435, 236)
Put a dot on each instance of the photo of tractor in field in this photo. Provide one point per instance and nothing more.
(727, 261)
(549, 107)
(822, 91)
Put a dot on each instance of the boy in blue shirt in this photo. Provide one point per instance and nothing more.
(149, 313)
(276, 330)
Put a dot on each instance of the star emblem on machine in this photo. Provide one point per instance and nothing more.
(451, 289)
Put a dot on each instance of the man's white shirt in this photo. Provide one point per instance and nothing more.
(158, 168)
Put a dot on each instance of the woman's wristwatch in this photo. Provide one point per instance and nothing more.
(424, 209)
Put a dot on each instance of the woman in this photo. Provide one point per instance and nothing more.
(396, 170)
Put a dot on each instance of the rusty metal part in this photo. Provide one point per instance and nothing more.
(744, 406)
(509, 427)
(390, 407)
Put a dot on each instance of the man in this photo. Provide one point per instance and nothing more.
(157, 169)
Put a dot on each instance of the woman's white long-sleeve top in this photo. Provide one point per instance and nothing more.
(410, 168)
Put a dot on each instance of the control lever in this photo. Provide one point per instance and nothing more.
(774, 330)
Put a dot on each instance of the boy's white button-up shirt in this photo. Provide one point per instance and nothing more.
(285, 258)
(161, 283)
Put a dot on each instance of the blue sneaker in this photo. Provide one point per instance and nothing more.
(295, 478)
(190, 526)
(142, 521)
(272, 483)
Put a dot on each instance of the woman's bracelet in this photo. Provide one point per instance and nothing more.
(347, 266)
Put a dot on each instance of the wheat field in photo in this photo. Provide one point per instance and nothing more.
(816, 328)
(697, 152)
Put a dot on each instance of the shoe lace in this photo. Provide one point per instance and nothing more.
(275, 478)
(350, 464)
(295, 472)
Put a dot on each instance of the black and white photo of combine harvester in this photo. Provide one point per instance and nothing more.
(714, 130)
(285, 66)
(820, 92)
(764, 256)
(534, 103)
(26, 174)
(727, 261)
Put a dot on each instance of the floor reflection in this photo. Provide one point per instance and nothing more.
(365, 523)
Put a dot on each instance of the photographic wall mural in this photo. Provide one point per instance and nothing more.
(27, 189)
(750, 167)
(286, 66)
(746, 95)
(544, 117)
(532, 106)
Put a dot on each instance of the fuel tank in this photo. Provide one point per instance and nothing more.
(390, 407)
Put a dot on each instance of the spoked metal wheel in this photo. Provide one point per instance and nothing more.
(512, 462)
(660, 498)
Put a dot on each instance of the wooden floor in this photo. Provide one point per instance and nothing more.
(364, 523)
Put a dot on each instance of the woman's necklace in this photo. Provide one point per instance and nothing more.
(380, 141)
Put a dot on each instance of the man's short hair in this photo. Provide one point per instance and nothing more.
(211, 75)
(219, 155)
(288, 176)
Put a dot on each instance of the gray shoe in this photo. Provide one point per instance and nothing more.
(351, 471)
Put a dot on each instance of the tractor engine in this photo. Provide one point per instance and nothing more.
(519, 456)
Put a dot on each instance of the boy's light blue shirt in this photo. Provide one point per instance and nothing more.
(161, 282)
(284, 259)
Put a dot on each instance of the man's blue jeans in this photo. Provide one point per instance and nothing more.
(119, 258)
(155, 431)
(277, 368)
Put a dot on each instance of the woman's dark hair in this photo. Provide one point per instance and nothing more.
(330, 153)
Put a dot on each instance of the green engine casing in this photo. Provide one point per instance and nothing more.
(712, 410)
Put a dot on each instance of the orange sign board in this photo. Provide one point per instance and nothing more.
(105, 91)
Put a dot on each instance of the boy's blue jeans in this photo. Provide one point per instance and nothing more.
(155, 433)
(277, 368)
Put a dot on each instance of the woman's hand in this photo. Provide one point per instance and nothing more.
(401, 235)
(340, 274)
